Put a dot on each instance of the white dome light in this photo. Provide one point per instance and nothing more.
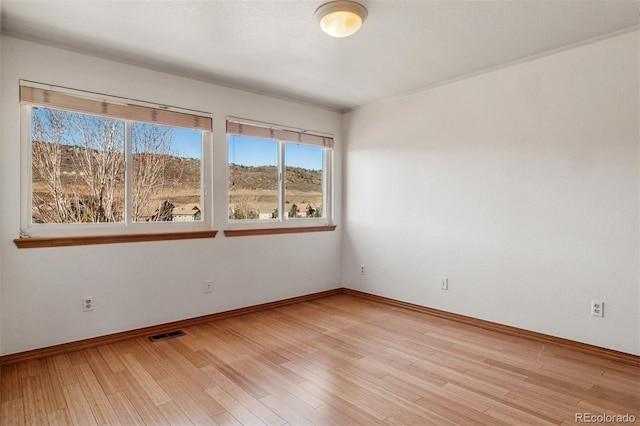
(341, 18)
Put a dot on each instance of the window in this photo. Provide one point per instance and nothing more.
(253, 178)
(277, 176)
(77, 163)
(104, 166)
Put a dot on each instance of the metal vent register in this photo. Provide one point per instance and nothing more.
(168, 335)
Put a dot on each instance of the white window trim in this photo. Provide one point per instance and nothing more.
(29, 229)
(281, 222)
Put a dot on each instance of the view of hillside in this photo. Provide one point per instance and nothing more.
(253, 191)
(266, 177)
(177, 167)
(159, 181)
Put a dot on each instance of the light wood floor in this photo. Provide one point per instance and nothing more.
(340, 360)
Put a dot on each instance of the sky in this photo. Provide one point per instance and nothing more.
(187, 143)
(244, 150)
(249, 151)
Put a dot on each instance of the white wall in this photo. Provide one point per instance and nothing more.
(141, 284)
(521, 185)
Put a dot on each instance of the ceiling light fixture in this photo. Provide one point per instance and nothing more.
(341, 18)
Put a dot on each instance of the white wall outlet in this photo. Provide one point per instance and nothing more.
(444, 283)
(597, 308)
(208, 286)
(363, 270)
(87, 303)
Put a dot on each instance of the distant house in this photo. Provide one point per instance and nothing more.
(187, 213)
(303, 210)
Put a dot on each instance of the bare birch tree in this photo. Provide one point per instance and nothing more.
(49, 133)
(151, 147)
(78, 167)
(100, 162)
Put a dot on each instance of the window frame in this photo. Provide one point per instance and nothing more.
(282, 223)
(29, 229)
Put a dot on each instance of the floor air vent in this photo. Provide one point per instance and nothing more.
(168, 335)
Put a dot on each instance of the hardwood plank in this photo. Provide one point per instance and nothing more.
(96, 398)
(432, 399)
(12, 412)
(247, 400)
(271, 325)
(504, 405)
(102, 372)
(59, 418)
(52, 383)
(513, 416)
(624, 382)
(126, 412)
(621, 398)
(226, 419)
(547, 409)
(321, 376)
(111, 358)
(65, 370)
(235, 408)
(332, 415)
(174, 414)
(186, 385)
(144, 379)
(361, 376)
(139, 399)
(28, 369)
(284, 411)
(399, 407)
(79, 409)
(242, 380)
(35, 412)
(10, 388)
(344, 403)
(195, 411)
(518, 385)
(76, 358)
(195, 358)
(179, 368)
(277, 385)
(149, 355)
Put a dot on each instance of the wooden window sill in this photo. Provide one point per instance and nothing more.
(36, 242)
(268, 231)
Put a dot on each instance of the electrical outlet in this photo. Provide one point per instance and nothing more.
(363, 271)
(208, 286)
(597, 308)
(444, 283)
(87, 303)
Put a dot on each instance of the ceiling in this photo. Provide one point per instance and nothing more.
(277, 48)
